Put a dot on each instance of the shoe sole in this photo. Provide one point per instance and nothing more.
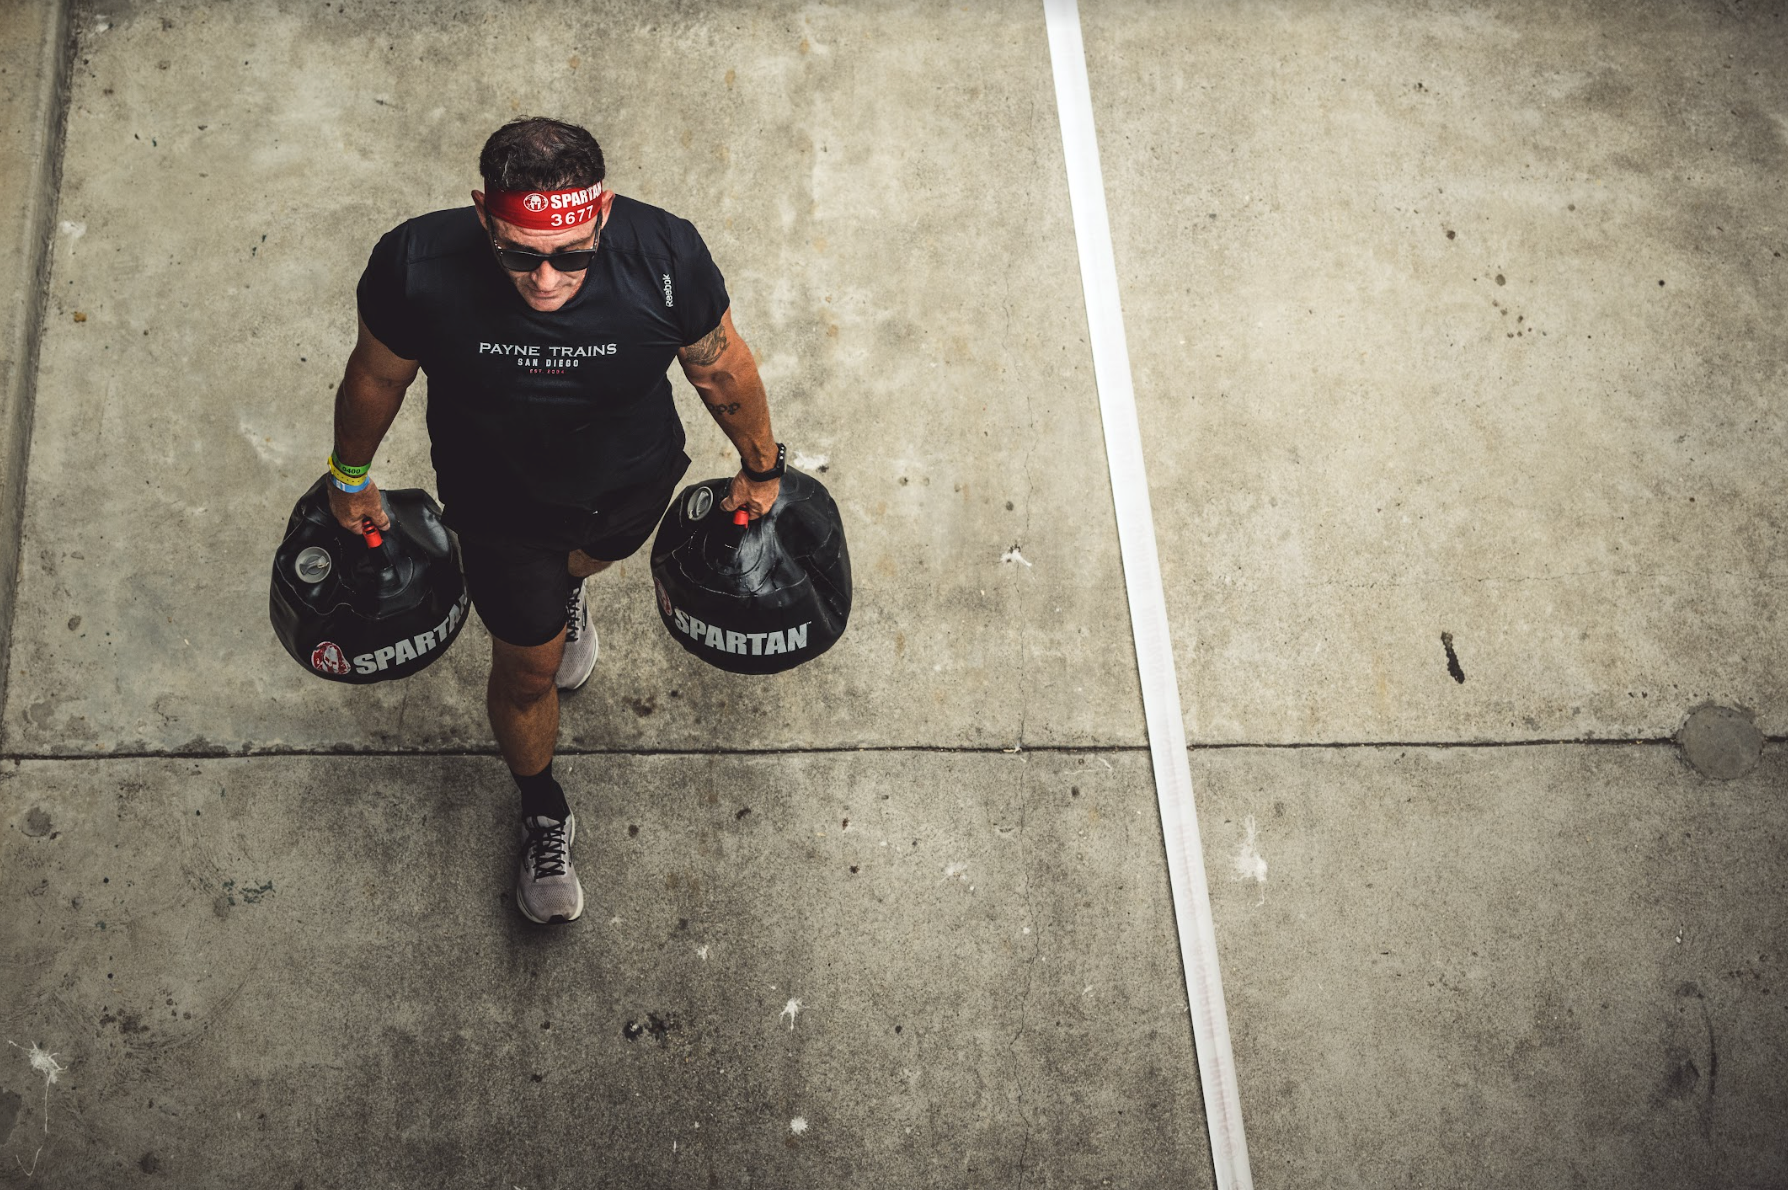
(557, 919)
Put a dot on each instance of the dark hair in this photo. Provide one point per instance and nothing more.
(537, 153)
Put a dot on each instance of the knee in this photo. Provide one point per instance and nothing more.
(523, 679)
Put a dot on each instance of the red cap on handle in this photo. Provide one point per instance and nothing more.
(741, 516)
(373, 539)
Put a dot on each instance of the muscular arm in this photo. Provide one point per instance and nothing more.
(371, 392)
(725, 374)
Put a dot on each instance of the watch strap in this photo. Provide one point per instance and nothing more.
(775, 472)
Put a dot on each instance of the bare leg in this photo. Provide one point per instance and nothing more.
(523, 702)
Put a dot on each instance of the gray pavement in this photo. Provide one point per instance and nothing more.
(1458, 318)
(34, 51)
(909, 969)
(807, 970)
(1404, 369)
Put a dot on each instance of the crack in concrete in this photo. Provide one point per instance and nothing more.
(1221, 583)
(1029, 490)
(845, 749)
(1030, 967)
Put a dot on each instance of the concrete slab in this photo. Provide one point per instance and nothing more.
(1457, 318)
(1543, 966)
(33, 77)
(903, 970)
(868, 181)
(1529, 966)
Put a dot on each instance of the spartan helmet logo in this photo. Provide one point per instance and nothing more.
(535, 202)
(700, 501)
(327, 658)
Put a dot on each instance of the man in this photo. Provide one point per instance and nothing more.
(546, 315)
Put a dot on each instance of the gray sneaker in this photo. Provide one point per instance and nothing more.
(546, 888)
(580, 643)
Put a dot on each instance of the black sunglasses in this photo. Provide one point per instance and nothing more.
(569, 260)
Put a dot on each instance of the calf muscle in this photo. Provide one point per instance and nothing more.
(523, 702)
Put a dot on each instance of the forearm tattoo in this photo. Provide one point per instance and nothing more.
(722, 410)
(705, 350)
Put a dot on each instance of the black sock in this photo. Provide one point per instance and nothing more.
(541, 796)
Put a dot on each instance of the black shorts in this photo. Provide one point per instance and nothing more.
(520, 585)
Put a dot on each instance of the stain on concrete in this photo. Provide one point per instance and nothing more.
(1683, 1077)
(655, 1026)
(1722, 743)
(1248, 863)
(1446, 642)
(37, 822)
(149, 1163)
(1690, 991)
(10, 1104)
(1690, 1069)
(250, 894)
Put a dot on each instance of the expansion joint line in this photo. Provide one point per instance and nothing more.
(252, 753)
(1148, 604)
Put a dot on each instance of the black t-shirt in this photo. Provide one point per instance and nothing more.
(556, 410)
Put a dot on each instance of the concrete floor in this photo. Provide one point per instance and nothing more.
(1405, 368)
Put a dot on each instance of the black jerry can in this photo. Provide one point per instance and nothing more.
(367, 609)
(758, 597)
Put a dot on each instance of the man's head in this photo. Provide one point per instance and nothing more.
(536, 155)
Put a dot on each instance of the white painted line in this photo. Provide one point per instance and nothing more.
(1148, 604)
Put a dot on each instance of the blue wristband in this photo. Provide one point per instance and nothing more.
(360, 487)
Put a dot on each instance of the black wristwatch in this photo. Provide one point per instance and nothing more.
(774, 472)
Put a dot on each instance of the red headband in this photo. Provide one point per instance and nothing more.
(545, 210)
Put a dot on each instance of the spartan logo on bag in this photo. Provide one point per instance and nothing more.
(695, 508)
(410, 648)
(535, 202)
(327, 658)
(725, 640)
